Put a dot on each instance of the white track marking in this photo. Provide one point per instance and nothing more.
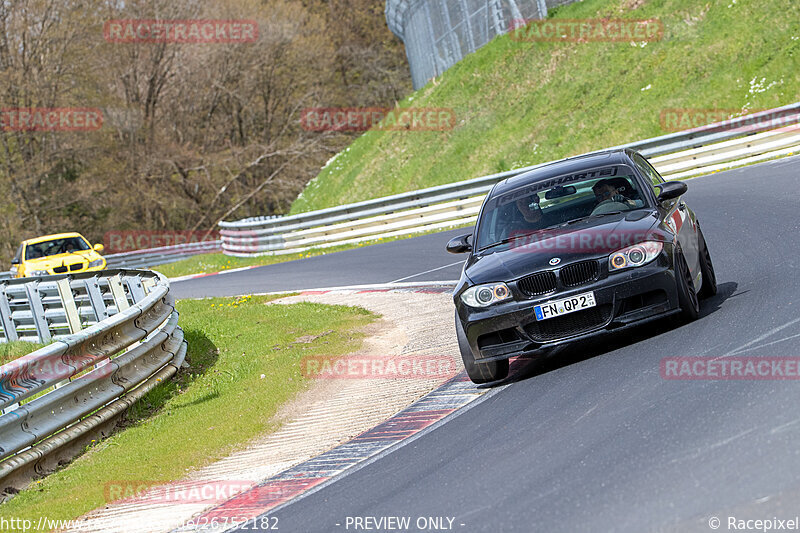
(426, 272)
(766, 344)
(760, 338)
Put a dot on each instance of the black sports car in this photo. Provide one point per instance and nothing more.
(572, 249)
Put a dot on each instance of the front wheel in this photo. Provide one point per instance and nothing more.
(478, 372)
(687, 297)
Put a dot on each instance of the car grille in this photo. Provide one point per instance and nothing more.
(561, 327)
(72, 268)
(579, 273)
(540, 283)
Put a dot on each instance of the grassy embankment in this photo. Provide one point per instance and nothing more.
(244, 359)
(521, 103)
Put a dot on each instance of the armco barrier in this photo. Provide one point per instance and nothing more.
(746, 139)
(160, 256)
(112, 336)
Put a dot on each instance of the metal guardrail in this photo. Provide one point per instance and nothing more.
(160, 256)
(113, 335)
(676, 155)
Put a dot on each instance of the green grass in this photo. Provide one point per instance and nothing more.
(13, 350)
(206, 263)
(243, 366)
(522, 103)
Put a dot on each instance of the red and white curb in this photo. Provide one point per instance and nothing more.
(434, 287)
(447, 401)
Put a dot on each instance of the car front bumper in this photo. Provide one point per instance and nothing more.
(623, 300)
(51, 271)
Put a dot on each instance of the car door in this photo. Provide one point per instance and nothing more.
(679, 218)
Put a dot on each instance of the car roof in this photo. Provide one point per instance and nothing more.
(563, 167)
(52, 237)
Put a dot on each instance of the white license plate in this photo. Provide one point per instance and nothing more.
(565, 306)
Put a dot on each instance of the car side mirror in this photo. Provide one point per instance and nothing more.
(98, 247)
(15, 261)
(671, 190)
(459, 245)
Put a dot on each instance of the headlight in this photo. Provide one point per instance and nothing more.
(39, 273)
(485, 295)
(634, 256)
(95, 263)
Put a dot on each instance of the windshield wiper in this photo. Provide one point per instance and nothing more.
(498, 243)
(599, 215)
(569, 222)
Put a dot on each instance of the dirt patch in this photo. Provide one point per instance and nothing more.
(630, 5)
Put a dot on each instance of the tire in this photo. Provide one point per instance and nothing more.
(478, 372)
(687, 297)
(709, 287)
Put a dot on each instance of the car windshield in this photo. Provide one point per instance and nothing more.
(54, 247)
(558, 201)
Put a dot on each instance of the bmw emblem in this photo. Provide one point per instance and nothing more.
(554, 261)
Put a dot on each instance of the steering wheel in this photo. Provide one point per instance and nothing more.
(608, 207)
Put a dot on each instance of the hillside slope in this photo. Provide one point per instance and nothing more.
(521, 103)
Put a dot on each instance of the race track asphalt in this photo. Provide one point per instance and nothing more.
(407, 260)
(592, 438)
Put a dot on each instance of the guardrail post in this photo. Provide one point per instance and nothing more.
(118, 293)
(37, 310)
(68, 302)
(96, 298)
(5, 316)
(136, 288)
(148, 284)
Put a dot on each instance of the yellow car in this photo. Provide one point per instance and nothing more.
(63, 253)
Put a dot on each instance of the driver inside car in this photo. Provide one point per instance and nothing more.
(523, 216)
(609, 199)
(531, 212)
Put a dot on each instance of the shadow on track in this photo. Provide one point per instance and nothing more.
(533, 365)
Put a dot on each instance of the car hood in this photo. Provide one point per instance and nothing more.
(593, 238)
(51, 261)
